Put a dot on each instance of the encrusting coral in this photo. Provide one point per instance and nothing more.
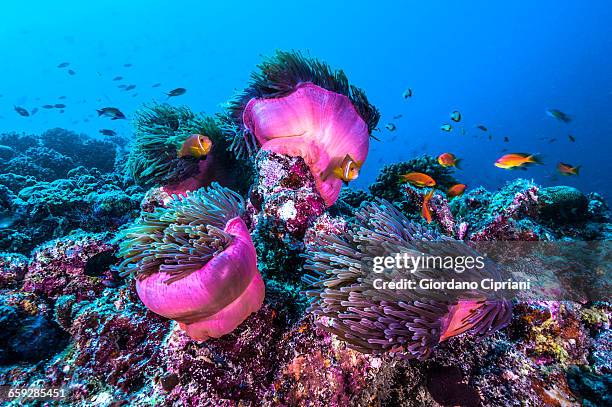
(299, 107)
(408, 323)
(195, 262)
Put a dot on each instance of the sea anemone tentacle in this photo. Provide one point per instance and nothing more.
(195, 262)
(405, 323)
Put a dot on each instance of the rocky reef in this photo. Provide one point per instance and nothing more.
(126, 289)
(59, 182)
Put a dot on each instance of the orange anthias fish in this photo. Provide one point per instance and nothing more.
(425, 212)
(448, 160)
(196, 146)
(456, 190)
(566, 169)
(418, 179)
(348, 169)
(516, 160)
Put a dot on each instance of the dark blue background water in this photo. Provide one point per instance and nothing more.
(502, 64)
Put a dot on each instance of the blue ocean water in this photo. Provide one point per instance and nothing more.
(501, 64)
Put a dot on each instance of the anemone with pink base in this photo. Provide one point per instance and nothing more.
(406, 323)
(320, 126)
(159, 133)
(195, 262)
(298, 106)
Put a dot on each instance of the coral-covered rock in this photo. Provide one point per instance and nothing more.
(289, 197)
(87, 200)
(563, 203)
(64, 267)
(28, 332)
(13, 267)
(116, 340)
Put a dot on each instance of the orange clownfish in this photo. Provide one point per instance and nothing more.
(425, 212)
(566, 169)
(418, 179)
(196, 146)
(456, 190)
(516, 160)
(348, 169)
(448, 160)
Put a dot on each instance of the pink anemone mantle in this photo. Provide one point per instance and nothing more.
(318, 125)
(215, 299)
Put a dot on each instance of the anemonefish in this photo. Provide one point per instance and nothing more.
(196, 146)
(348, 170)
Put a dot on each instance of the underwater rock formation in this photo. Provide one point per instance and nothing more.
(522, 210)
(299, 107)
(86, 199)
(285, 195)
(67, 266)
(195, 262)
(58, 182)
(400, 322)
(156, 157)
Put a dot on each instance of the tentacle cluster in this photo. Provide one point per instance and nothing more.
(180, 238)
(408, 323)
(279, 76)
(160, 130)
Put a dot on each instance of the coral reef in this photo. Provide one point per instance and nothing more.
(87, 199)
(59, 182)
(236, 273)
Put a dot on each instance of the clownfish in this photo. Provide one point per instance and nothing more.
(196, 146)
(348, 169)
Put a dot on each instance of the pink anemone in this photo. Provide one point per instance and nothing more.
(316, 124)
(201, 179)
(216, 298)
(195, 262)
